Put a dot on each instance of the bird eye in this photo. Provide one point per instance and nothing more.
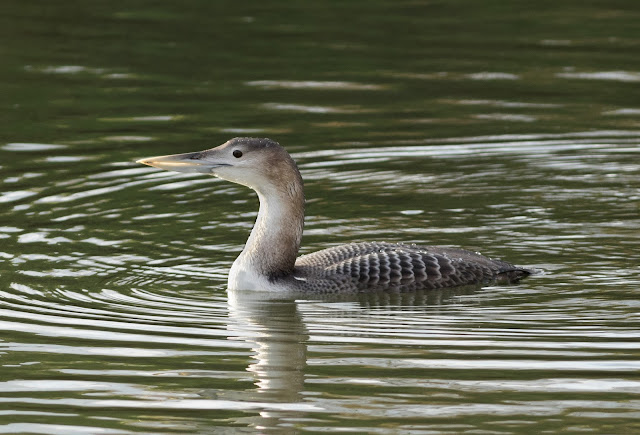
(237, 154)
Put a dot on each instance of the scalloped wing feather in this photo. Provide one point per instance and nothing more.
(379, 265)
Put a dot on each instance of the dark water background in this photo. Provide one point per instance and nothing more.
(512, 128)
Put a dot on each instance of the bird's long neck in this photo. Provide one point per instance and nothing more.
(273, 245)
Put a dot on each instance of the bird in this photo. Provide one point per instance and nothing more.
(269, 260)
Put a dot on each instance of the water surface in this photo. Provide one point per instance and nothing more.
(513, 130)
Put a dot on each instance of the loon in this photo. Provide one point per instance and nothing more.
(269, 260)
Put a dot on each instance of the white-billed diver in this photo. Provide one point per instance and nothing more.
(269, 260)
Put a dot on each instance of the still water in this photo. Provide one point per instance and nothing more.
(509, 129)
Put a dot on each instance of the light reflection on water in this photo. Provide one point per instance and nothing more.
(113, 308)
(289, 355)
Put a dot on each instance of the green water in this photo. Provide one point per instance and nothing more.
(512, 128)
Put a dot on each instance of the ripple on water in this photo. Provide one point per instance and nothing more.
(16, 195)
(322, 85)
(31, 147)
(303, 108)
(115, 315)
(620, 76)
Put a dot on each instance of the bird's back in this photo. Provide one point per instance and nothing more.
(381, 266)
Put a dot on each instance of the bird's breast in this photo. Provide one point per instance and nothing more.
(243, 276)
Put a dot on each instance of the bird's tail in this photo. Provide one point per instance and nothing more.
(515, 274)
